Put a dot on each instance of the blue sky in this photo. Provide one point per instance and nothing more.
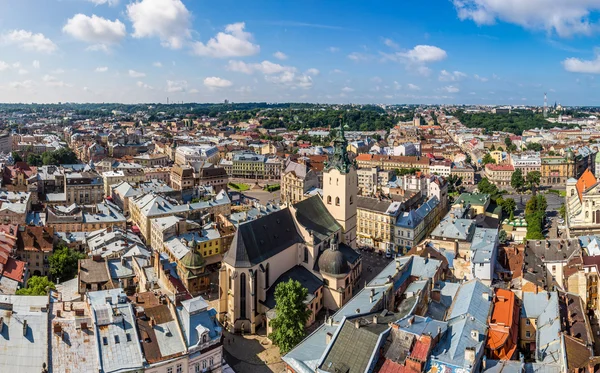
(434, 51)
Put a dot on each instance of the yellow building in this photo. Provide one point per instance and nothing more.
(376, 220)
(497, 156)
(296, 180)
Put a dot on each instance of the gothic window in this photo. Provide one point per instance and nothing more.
(337, 182)
(305, 254)
(267, 276)
(587, 214)
(243, 296)
(351, 200)
(337, 201)
(329, 200)
(572, 192)
(230, 279)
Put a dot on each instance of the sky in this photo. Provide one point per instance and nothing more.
(326, 51)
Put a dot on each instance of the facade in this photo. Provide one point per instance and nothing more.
(296, 180)
(88, 218)
(252, 166)
(199, 153)
(526, 163)
(375, 222)
(83, 188)
(464, 171)
(391, 162)
(152, 160)
(35, 245)
(556, 170)
(132, 176)
(413, 226)
(582, 204)
(499, 174)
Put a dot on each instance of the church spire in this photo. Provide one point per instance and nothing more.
(340, 159)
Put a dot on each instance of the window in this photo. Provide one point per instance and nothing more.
(527, 322)
(210, 362)
(329, 200)
(351, 200)
(305, 254)
(204, 364)
(528, 334)
(179, 368)
(267, 276)
(117, 339)
(105, 341)
(128, 336)
(197, 368)
(337, 201)
(170, 370)
(242, 296)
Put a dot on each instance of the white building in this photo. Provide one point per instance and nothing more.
(197, 153)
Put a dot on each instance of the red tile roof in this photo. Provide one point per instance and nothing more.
(500, 167)
(390, 366)
(421, 349)
(502, 336)
(14, 269)
(586, 181)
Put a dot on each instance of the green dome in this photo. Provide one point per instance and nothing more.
(193, 260)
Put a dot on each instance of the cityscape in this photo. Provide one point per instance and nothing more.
(299, 187)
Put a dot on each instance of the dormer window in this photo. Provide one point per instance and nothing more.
(204, 338)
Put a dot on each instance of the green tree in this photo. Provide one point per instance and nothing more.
(508, 142)
(533, 179)
(37, 285)
(562, 211)
(34, 159)
(291, 315)
(516, 180)
(63, 263)
(502, 236)
(16, 157)
(508, 207)
(535, 214)
(535, 146)
(487, 159)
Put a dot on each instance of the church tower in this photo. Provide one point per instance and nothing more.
(340, 188)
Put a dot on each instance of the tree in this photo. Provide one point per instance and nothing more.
(291, 315)
(454, 184)
(508, 206)
(516, 180)
(502, 236)
(535, 214)
(16, 157)
(37, 285)
(468, 159)
(508, 142)
(487, 159)
(562, 211)
(533, 178)
(34, 159)
(534, 146)
(63, 263)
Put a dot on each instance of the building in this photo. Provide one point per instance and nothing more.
(35, 245)
(583, 204)
(370, 180)
(556, 170)
(499, 174)
(464, 171)
(413, 226)
(198, 174)
(526, 163)
(252, 166)
(391, 162)
(197, 153)
(132, 176)
(152, 160)
(375, 222)
(151, 206)
(296, 180)
(78, 218)
(311, 234)
(83, 188)
(502, 341)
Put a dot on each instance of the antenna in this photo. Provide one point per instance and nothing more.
(545, 105)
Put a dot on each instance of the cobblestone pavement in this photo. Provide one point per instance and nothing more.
(251, 354)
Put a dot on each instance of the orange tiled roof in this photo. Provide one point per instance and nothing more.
(14, 269)
(586, 181)
(503, 327)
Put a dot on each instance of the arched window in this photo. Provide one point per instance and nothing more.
(243, 296)
(587, 214)
(305, 254)
(204, 338)
(329, 200)
(329, 180)
(337, 201)
(572, 192)
(230, 280)
(337, 182)
(351, 200)
(267, 276)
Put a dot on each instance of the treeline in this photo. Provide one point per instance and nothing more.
(56, 157)
(515, 122)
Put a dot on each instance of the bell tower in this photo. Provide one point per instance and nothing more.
(340, 188)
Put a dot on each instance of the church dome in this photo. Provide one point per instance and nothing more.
(332, 262)
(193, 260)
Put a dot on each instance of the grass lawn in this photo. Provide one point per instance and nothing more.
(240, 187)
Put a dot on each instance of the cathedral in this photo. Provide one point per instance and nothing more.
(312, 241)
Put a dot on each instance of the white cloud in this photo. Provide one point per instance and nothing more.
(313, 72)
(355, 56)
(290, 79)
(169, 20)
(376, 79)
(136, 74)
(35, 64)
(280, 56)
(337, 71)
(304, 81)
(413, 87)
(101, 69)
(265, 67)
(333, 49)
(102, 2)
(215, 82)
(98, 31)
(53, 81)
(26, 84)
(4, 66)
(157, 64)
(347, 89)
(58, 71)
(446, 76)
(144, 85)
(576, 65)
(425, 53)
(234, 42)
(423, 70)
(194, 90)
(177, 85)
(480, 78)
(565, 18)
(23, 72)
(397, 86)
(451, 89)
(390, 43)
(29, 41)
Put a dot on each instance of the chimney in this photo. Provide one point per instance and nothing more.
(374, 319)
(357, 323)
(475, 335)
(24, 328)
(470, 356)
(486, 295)
(328, 337)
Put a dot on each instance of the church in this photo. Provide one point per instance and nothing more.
(312, 241)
